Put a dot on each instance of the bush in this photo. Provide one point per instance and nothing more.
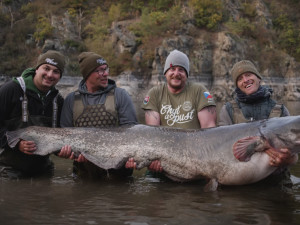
(158, 23)
(43, 29)
(241, 27)
(288, 35)
(249, 10)
(207, 13)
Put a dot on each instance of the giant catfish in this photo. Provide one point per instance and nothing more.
(230, 155)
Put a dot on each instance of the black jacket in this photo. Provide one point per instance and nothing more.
(40, 112)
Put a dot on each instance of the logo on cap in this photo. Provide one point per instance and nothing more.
(101, 61)
(50, 61)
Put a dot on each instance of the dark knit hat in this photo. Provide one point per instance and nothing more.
(177, 58)
(243, 66)
(53, 58)
(88, 62)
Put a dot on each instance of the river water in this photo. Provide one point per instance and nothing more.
(142, 201)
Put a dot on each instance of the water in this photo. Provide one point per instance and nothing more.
(142, 201)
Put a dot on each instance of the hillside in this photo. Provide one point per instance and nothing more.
(136, 36)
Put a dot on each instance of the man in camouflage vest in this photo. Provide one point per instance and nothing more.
(98, 102)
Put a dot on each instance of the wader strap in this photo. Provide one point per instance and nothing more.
(54, 113)
(110, 104)
(25, 100)
(237, 114)
(276, 111)
(77, 106)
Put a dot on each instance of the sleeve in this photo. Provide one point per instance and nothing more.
(224, 118)
(8, 104)
(66, 117)
(285, 111)
(60, 102)
(125, 107)
(150, 100)
(204, 98)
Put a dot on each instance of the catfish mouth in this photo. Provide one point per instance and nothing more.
(290, 140)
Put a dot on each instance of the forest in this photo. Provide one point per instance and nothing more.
(26, 25)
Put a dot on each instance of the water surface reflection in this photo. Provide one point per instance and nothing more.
(142, 201)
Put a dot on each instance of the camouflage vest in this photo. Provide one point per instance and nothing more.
(237, 115)
(99, 115)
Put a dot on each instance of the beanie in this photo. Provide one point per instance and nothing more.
(88, 62)
(52, 57)
(242, 67)
(177, 58)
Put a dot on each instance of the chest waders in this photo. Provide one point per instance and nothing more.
(238, 117)
(37, 120)
(101, 116)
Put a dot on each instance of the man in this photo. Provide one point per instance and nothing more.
(98, 102)
(178, 103)
(30, 99)
(253, 102)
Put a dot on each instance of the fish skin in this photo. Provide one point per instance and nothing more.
(185, 155)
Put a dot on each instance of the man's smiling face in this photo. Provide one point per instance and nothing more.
(248, 83)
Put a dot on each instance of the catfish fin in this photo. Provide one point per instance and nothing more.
(212, 185)
(106, 163)
(244, 148)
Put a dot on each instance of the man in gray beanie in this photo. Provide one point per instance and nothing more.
(178, 103)
(28, 100)
(98, 102)
(253, 102)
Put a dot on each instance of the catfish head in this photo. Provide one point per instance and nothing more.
(283, 132)
(277, 133)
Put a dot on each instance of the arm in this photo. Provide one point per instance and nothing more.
(207, 117)
(281, 158)
(6, 110)
(10, 93)
(66, 117)
(285, 112)
(152, 118)
(125, 107)
(224, 118)
(66, 152)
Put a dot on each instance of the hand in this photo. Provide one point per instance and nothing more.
(80, 158)
(65, 152)
(27, 147)
(280, 158)
(130, 164)
(155, 166)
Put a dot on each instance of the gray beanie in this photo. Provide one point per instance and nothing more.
(241, 67)
(177, 58)
(88, 62)
(52, 57)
